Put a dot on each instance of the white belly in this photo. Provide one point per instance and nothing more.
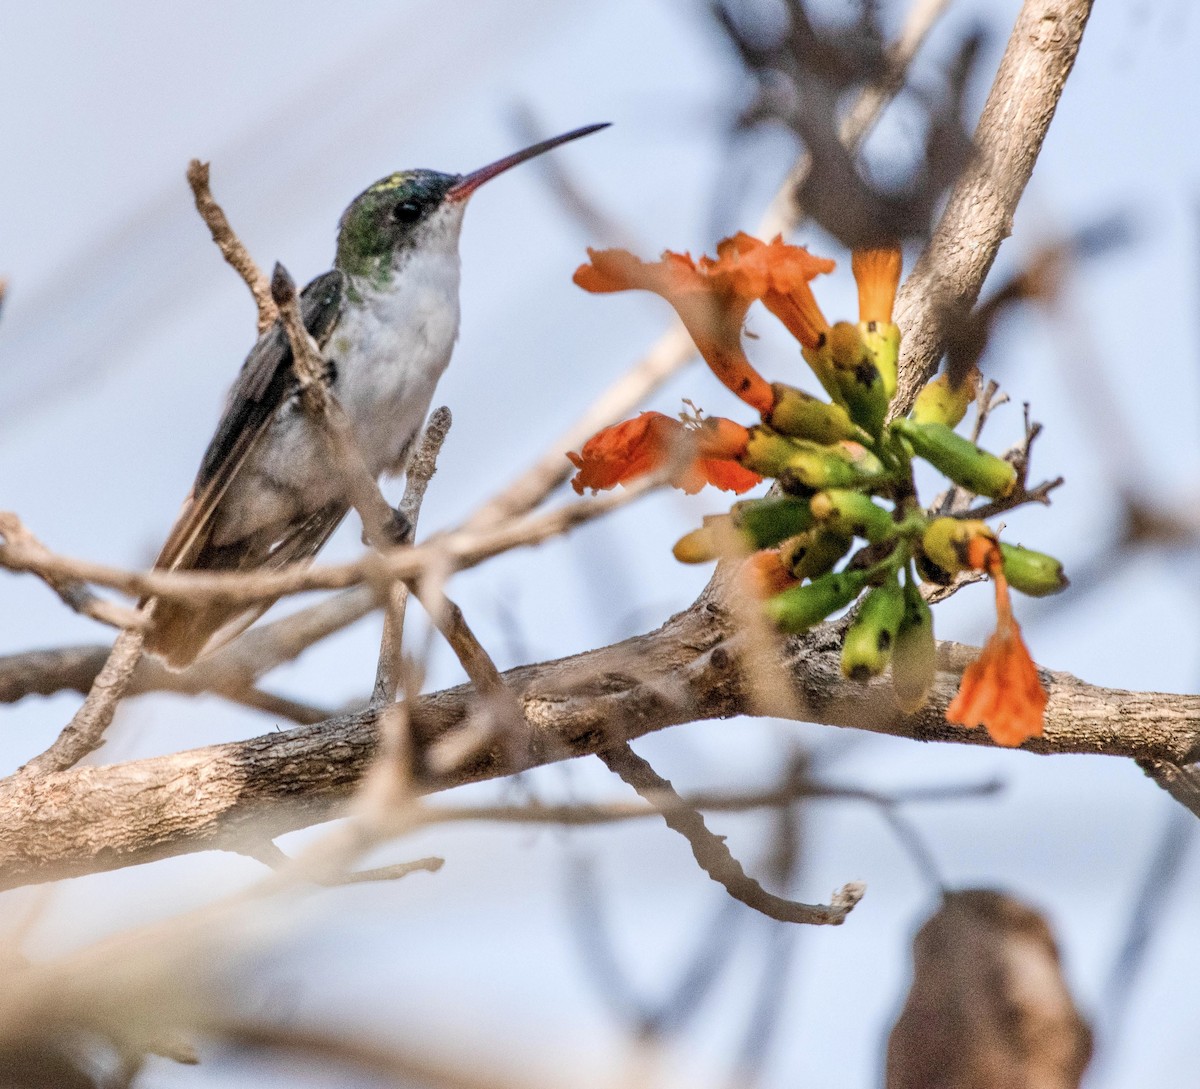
(389, 352)
(389, 356)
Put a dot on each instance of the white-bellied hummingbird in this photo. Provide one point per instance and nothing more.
(385, 318)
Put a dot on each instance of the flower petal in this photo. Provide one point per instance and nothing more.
(877, 273)
(625, 451)
(1001, 689)
(633, 448)
(711, 300)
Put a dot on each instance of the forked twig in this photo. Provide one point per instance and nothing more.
(714, 857)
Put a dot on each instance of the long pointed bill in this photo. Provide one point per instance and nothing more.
(468, 183)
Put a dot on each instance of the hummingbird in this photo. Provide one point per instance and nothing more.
(385, 318)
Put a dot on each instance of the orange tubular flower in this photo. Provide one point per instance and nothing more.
(711, 299)
(1000, 690)
(788, 270)
(877, 273)
(704, 453)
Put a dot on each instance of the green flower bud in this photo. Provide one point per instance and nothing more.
(946, 540)
(821, 361)
(883, 342)
(959, 459)
(804, 416)
(871, 637)
(767, 451)
(812, 554)
(858, 378)
(852, 513)
(843, 465)
(1033, 573)
(914, 657)
(940, 402)
(801, 607)
(766, 522)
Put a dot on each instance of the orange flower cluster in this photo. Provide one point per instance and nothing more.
(698, 454)
(1000, 690)
(712, 297)
(856, 364)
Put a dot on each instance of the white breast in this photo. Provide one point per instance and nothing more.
(390, 352)
(390, 347)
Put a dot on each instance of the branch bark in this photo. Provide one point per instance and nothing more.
(226, 796)
(1008, 139)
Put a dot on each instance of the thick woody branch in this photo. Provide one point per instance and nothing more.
(226, 796)
(1008, 139)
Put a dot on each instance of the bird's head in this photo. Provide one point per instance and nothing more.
(417, 210)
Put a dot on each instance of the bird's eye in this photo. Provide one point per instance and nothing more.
(407, 211)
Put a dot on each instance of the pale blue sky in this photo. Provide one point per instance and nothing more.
(123, 328)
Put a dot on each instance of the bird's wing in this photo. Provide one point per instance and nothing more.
(264, 384)
(181, 632)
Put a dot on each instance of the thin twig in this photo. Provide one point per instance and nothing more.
(230, 245)
(419, 473)
(461, 548)
(714, 858)
(85, 732)
(75, 594)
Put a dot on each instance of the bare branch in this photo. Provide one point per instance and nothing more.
(1008, 139)
(223, 796)
(461, 548)
(419, 473)
(74, 594)
(714, 857)
(85, 732)
(230, 245)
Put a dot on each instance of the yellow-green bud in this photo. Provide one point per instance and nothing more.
(858, 378)
(821, 361)
(852, 513)
(804, 416)
(883, 342)
(801, 607)
(914, 657)
(842, 465)
(940, 402)
(1033, 573)
(959, 459)
(810, 555)
(871, 637)
(945, 541)
(715, 539)
(767, 451)
(766, 522)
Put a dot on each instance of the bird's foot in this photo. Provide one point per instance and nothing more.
(398, 532)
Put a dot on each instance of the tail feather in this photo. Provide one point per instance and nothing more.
(180, 632)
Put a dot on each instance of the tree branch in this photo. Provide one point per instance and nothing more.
(1008, 139)
(230, 245)
(225, 796)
